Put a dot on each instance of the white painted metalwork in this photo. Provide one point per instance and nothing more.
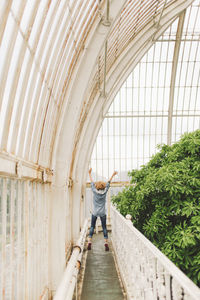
(173, 76)
(24, 220)
(66, 287)
(146, 272)
(51, 77)
(40, 44)
(12, 166)
(149, 108)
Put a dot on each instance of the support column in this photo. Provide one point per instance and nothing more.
(173, 76)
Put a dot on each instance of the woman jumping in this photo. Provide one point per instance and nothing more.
(99, 190)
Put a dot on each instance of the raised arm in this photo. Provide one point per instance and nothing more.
(90, 174)
(114, 173)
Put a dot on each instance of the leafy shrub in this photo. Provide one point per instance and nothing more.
(164, 202)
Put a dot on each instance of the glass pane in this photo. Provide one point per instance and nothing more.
(142, 103)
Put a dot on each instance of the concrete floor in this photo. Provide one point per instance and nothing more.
(101, 280)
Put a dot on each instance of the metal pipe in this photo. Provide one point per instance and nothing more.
(65, 285)
(106, 18)
(73, 281)
(105, 66)
(107, 11)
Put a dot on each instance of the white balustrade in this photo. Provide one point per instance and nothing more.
(146, 272)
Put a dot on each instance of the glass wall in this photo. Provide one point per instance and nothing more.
(138, 118)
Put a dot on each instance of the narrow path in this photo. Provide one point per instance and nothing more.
(101, 279)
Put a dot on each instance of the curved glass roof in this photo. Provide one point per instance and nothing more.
(40, 43)
(43, 48)
(159, 101)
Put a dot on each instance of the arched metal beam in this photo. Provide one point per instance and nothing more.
(74, 103)
(115, 79)
(4, 12)
(173, 75)
(70, 191)
(11, 98)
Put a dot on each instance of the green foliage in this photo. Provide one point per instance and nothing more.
(164, 202)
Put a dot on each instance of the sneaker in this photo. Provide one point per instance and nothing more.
(89, 246)
(106, 247)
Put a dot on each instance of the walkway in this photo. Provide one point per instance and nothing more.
(101, 279)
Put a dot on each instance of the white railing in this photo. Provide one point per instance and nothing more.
(146, 272)
(66, 288)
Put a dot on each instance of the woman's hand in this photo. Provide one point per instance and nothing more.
(115, 173)
(90, 174)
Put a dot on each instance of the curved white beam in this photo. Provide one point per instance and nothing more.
(4, 12)
(67, 196)
(75, 103)
(17, 72)
(115, 79)
(81, 121)
(173, 75)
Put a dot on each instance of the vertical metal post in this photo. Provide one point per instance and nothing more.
(108, 151)
(42, 238)
(132, 123)
(26, 236)
(3, 245)
(19, 241)
(173, 76)
(46, 253)
(30, 240)
(38, 230)
(126, 133)
(107, 11)
(12, 238)
(102, 157)
(108, 206)
(34, 240)
(105, 67)
(113, 136)
(120, 134)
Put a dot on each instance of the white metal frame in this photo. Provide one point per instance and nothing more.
(116, 76)
(52, 107)
(173, 76)
(168, 116)
(24, 210)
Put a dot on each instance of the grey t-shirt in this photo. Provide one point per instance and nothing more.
(99, 200)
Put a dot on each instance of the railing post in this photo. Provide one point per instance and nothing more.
(128, 219)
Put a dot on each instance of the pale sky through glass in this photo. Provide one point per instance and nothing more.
(137, 120)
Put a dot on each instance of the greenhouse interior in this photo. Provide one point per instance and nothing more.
(100, 91)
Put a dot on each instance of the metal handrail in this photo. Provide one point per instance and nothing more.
(66, 288)
(146, 272)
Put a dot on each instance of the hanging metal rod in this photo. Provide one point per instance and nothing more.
(105, 67)
(106, 20)
(107, 10)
